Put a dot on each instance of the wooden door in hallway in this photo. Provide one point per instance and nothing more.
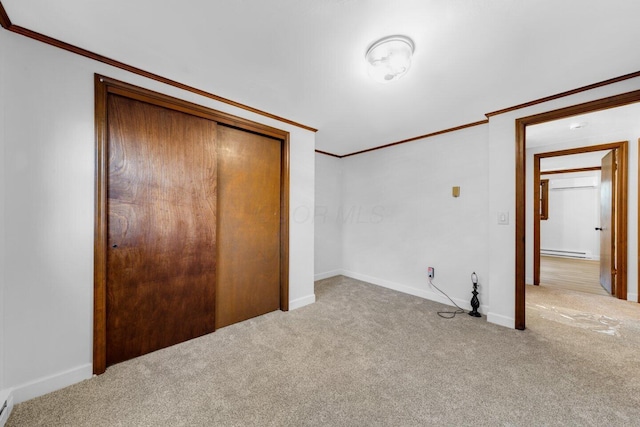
(614, 201)
(607, 222)
(161, 239)
(249, 177)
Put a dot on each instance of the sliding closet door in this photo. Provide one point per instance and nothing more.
(249, 187)
(161, 232)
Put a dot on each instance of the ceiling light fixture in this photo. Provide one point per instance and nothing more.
(389, 58)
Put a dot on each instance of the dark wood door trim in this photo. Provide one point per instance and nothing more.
(130, 91)
(536, 220)
(521, 124)
(105, 86)
(573, 170)
(620, 237)
(100, 232)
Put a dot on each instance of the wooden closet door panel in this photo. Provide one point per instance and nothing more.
(161, 201)
(249, 168)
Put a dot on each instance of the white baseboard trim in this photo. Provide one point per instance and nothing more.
(632, 297)
(6, 396)
(501, 320)
(51, 383)
(528, 280)
(422, 293)
(326, 275)
(301, 302)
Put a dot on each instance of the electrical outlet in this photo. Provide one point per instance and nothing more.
(431, 272)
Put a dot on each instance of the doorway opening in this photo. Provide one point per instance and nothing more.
(612, 227)
(521, 198)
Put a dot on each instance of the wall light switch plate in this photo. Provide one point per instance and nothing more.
(503, 218)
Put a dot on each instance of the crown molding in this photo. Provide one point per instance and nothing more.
(6, 23)
(573, 170)
(329, 154)
(567, 93)
(415, 138)
(503, 111)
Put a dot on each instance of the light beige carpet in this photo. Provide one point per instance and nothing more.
(368, 356)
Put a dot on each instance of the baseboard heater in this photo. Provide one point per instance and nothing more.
(569, 183)
(566, 254)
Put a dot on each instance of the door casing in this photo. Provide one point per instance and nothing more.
(520, 182)
(620, 237)
(104, 86)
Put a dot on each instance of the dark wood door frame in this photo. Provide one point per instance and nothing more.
(521, 125)
(620, 236)
(105, 86)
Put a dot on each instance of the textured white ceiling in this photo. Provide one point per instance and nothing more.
(304, 59)
(600, 127)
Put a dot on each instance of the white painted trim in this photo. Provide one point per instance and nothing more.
(501, 320)
(632, 297)
(301, 302)
(422, 293)
(52, 383)
(6, 395)
(327, 274)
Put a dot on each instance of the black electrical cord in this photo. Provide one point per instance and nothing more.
(447, 314)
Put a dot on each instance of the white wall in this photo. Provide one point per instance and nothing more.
(48, 208)
(405, 219)
(328, 217)
(301, 198)
(402, 218)
(574, 214)
(630, 135)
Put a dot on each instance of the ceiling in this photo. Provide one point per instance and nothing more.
(600, 127)
(304, 59)
(595, 128)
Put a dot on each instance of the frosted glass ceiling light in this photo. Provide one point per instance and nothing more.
(389, 58)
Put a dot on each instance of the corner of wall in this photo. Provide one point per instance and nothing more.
(51, 383)
(301, 302)
(501, 320)
(327, 275)
(415, 291)
(328, 236)
(341, 198)
(3, 61)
